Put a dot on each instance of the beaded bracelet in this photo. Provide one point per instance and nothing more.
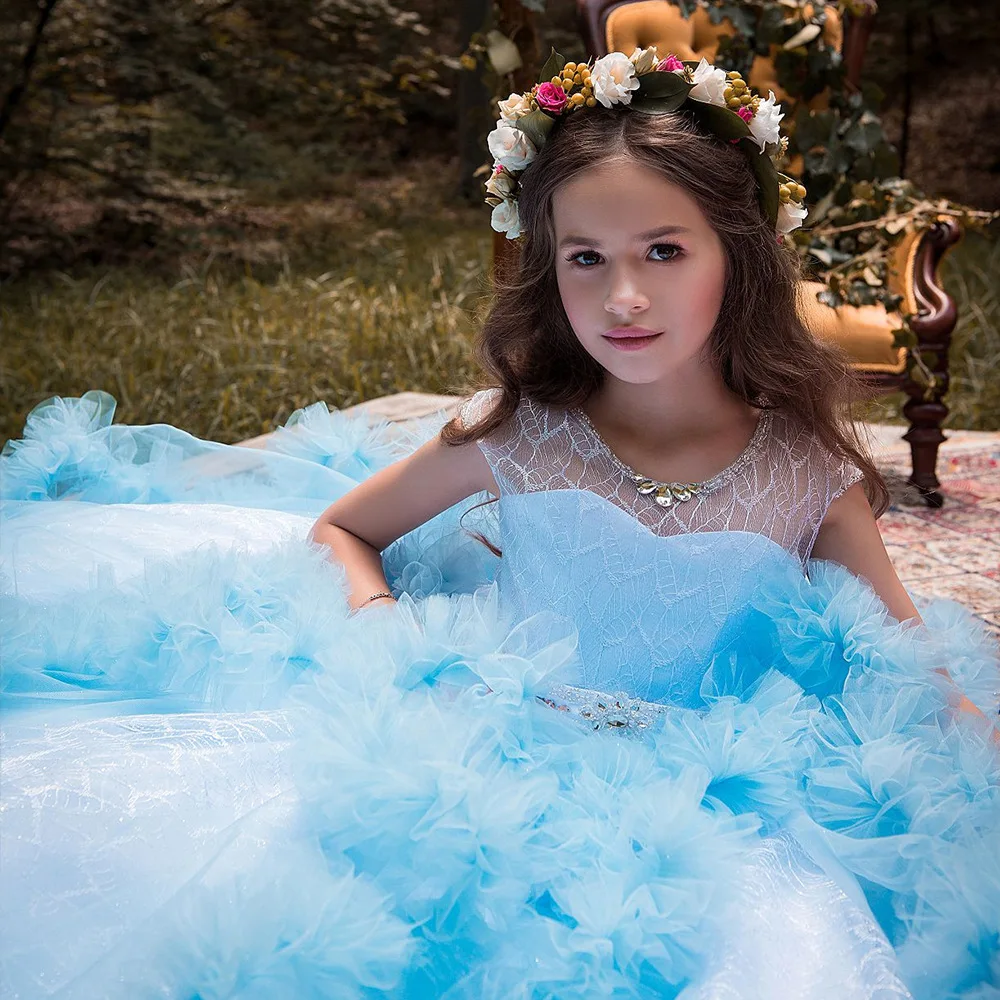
(374, 597)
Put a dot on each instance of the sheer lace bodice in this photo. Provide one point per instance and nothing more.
(655, 594)
(779, 487)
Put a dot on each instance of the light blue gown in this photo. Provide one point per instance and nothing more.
(648, 752)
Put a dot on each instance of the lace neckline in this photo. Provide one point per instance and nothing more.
(708, 485)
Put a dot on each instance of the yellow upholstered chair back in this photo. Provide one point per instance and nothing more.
(660, 23)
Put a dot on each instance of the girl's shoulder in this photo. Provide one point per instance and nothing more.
(530, 420)
(796, 453)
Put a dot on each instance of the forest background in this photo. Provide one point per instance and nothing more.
(220, 211)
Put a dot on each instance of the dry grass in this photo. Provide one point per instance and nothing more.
(228, 353)
(373, 301)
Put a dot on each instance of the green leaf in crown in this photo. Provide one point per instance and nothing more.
(552, 66)
(724, 123)
(536, 125)
(663, 86)
(767, 178)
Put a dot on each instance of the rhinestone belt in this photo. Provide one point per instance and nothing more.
(620, 713)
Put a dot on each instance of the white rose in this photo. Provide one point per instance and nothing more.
(764, 124)
(613, 79)
(516, 106)
(510, 147)
(709, 84)
(500, 185)
(505, 219)
(644, 60)
(790, 216)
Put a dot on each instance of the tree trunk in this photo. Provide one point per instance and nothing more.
(473, 106)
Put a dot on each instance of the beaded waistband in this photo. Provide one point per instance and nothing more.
(619, 712)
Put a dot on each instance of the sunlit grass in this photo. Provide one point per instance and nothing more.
(229, 356)
(386, 304)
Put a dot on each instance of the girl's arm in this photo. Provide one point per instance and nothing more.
(849, 535)
(359, 525)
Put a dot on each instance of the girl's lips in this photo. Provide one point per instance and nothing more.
(630, 332)
(630, 343)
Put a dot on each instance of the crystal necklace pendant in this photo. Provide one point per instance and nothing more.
(666, 494)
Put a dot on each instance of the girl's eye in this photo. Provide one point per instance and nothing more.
(661, 252)
(667, 251)
(576, 258)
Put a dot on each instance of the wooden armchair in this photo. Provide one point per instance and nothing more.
(864, 333)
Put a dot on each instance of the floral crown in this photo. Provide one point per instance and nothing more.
(723, 101)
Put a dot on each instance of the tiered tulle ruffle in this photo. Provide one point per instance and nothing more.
(431, 827)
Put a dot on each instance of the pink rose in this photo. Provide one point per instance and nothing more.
(551, 97)
(747, 115)
(671, 64)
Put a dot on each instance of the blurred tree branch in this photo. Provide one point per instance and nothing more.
(182, 102)
(17, 91)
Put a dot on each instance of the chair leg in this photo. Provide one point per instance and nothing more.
(933, 325)
(925, 437)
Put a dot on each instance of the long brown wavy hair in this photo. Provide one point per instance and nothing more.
(759, 344)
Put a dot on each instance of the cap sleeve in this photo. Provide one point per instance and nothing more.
(529, 450)
(841, 476)
(495, 445)
(477, 406)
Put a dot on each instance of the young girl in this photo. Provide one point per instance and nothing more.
(663, 723)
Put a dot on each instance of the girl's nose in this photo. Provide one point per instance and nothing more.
(624, 297)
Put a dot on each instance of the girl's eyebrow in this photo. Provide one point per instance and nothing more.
(650, 234)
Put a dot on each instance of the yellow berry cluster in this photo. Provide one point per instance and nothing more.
(576, 75)
(790, 191)
(737, 94)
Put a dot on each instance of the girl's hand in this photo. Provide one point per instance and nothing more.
(359, 526)
(962, 704)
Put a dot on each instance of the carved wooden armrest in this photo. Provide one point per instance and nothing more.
(933, 311)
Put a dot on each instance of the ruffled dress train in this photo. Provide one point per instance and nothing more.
(610, 763)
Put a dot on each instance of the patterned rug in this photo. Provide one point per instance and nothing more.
(955, 551)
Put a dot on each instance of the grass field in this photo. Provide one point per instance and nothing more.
(380, 298)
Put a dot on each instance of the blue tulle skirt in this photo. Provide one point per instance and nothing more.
(218, 783)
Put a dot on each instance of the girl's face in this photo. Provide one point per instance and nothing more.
(641, 273)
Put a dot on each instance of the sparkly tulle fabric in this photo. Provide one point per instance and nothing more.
(648, 752)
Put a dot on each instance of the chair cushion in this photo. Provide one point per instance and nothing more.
(658, 22)
(864, 333)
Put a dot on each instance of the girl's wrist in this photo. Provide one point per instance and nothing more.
(382, 595)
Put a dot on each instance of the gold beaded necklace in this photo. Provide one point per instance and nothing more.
(666, 494)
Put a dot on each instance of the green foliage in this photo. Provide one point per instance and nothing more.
(147, 104)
